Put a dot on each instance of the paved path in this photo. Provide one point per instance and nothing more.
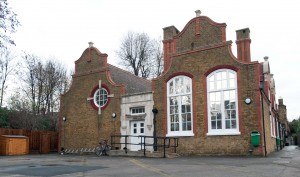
(284, 163)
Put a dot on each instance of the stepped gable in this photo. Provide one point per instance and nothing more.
(132, 83)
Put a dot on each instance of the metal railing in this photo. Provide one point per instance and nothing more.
(160, 142)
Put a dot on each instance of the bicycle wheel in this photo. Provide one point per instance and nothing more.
(107, 148)
(98, 151)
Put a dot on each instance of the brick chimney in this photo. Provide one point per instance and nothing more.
(168, 45)
(243, 45)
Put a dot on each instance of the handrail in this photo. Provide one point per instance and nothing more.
(167, 142)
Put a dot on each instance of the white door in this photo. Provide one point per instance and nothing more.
(137, 129)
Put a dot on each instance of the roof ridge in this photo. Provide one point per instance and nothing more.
(129, 73)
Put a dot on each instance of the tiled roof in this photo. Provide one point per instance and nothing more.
(132, 83)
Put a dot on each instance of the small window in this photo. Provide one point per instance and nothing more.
(137, 110)
(100, 97)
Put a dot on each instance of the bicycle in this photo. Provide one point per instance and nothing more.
(103, 148)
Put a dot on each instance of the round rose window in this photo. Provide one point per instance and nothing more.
(100, 97)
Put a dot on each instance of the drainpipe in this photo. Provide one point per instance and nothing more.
(263, 114)
(155, 111)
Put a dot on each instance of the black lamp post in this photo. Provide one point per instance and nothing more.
(155, 111)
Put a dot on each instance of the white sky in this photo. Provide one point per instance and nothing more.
(63, 28)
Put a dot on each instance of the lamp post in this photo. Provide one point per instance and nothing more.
(63, 148)
(155, 111)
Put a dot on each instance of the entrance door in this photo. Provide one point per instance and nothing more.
(137, 129)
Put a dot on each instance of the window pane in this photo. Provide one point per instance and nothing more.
(189, 126)
(179, 85)
(219, 116)
(213, 116)
(172, 118)
(227, 124)
(233, 124)
(142, 130)
(231, 83)
(184, 126)
(224, 84)
(218, 96)
(219, 85)
(233, 116)
(176, 118)
(219, 124)
(224, 75)
(212, 96)
(176, 126)
(189, 117)
(232, 94)
(171, 88)
(185, 100)
(183, 109)
(212, 78)
(213, 125)
(188, 108)
(211, 85)
(219, 76)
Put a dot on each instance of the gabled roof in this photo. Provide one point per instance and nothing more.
(133, 84)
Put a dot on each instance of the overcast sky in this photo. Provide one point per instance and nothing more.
(63, 28)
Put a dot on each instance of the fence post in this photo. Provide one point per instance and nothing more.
(164, 147)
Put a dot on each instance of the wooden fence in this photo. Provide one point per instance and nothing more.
(39, 141)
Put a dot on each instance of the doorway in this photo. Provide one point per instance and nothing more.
(137, 129)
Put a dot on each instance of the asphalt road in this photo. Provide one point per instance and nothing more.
(284, 163)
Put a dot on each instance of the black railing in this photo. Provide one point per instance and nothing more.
(158, 142)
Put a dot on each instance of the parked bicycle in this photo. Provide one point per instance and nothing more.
(103, 148)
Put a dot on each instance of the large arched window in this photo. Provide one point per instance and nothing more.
(180, 117)
(222, 103)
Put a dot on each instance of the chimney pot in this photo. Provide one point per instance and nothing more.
(198, 13)
(91, 44)
(266, 58)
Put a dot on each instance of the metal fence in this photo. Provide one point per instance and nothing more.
(39, 141)
(162, 143)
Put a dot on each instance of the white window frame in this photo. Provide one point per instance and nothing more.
(186, 81)
(137, 108)
(230, 85)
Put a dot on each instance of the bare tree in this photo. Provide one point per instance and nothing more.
(158, 58)
(6, 59)
(139, 53)
(41, 84)
(8, 23)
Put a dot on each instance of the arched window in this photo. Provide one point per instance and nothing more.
(222, 103)
(180, 117)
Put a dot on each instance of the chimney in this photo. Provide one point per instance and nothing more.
(168, 45)
(243, 45)
(280, 101)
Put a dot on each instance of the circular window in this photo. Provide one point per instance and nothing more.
(100, 97)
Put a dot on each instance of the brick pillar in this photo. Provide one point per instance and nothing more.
(169, 45)
(243, 45)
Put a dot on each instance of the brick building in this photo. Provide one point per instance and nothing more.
(212, 101)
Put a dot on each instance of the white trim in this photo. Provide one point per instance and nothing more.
(180, 133)
(223, 133)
